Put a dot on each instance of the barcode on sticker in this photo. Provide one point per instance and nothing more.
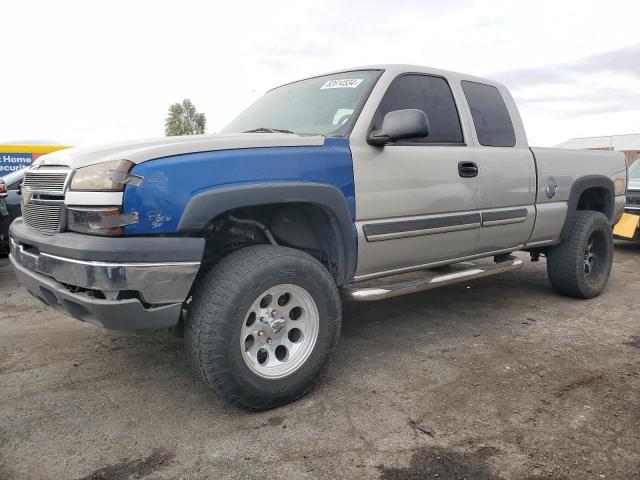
(342, 83)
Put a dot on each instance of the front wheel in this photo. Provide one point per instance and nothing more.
(263, 325)
(580, 266)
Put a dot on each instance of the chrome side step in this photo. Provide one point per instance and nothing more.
(419, 281)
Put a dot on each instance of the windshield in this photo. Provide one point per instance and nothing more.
(12, 177)
(634, 170)
(321, 105)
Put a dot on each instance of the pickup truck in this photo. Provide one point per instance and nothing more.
(361, 184)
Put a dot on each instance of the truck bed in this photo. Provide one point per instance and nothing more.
(566, 166)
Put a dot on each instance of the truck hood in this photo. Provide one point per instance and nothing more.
(138, 151)
(634, 184)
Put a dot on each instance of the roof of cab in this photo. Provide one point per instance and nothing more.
(396, 69)
(399, 68)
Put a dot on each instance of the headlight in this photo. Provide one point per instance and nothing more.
(102, 177)
(99, 220)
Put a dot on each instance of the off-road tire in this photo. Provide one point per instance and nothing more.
(221, 300)
(566, 261)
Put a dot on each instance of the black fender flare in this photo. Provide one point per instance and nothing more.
(579, 187)
(206, 206)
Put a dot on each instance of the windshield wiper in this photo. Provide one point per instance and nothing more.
(268, 130)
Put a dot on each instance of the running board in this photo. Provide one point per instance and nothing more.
(420, 281)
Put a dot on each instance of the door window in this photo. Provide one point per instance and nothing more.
(433, 96)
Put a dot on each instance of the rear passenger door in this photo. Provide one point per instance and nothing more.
(412, 205)
(506, 168)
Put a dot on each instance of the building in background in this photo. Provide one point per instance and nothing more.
(629, 144)
(16, 156)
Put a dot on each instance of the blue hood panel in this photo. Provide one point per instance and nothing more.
(169, 183)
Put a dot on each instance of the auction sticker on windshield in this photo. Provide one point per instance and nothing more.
(342, 83)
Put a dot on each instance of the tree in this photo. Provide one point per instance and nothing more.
(183, 119)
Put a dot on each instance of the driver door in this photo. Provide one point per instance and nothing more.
(413, 205)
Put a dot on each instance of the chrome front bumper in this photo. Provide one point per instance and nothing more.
(126, 314)
(120, 283)
(157, 283)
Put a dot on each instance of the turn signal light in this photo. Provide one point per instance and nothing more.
(107, 221)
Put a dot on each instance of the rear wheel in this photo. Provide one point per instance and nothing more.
(580, 266)
(263, 325)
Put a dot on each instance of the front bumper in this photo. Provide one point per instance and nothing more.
(115, 292)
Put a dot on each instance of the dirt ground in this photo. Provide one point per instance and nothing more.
(496, 379)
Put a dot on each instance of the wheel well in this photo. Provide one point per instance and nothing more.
(597, 199)
(304, 226)
(595, 193)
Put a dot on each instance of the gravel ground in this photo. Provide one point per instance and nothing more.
(497, 379)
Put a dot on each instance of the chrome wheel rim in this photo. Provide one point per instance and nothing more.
(589, 256)
(596, 255)
(279, 331)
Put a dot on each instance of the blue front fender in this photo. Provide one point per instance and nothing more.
(170, 183)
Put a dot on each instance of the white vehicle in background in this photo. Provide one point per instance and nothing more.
(633, 189)
(632, 207)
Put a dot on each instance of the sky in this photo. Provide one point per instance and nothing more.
(90, 72)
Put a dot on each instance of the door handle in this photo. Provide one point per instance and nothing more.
(468, 169)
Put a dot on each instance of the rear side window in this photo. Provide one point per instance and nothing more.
(433, 96)
(490, 115)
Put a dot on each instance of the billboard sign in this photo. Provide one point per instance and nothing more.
(10, 162)
(16, 157)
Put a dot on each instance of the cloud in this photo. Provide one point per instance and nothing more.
(592, 95)
(82, 77)
(622, 61)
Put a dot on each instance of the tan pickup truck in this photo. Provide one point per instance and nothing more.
(362, 184)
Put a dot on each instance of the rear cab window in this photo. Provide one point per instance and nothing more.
(490, 115)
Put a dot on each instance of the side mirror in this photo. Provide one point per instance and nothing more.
(399, 125)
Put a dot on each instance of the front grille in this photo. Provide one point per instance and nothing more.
(42, 216)
(43, 197)
(633, 198)
(46, 181)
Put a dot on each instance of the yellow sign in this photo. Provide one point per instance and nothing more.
(37, 149)
(627, 226)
